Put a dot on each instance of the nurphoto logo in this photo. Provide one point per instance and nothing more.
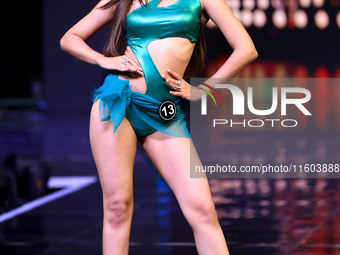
(287, 97)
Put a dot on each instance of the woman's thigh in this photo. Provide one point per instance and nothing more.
(172, 156)
(113, 154)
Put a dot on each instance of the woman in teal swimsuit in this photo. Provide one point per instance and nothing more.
(164, 44)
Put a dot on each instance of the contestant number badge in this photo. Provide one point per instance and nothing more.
(167, 110)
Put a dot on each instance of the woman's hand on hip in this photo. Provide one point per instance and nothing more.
(180, 87)
(120, 63)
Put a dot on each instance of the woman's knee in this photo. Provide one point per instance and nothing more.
(118, 209)
(201, 212)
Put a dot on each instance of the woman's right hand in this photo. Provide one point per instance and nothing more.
(120, 63)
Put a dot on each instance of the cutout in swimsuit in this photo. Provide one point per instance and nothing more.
(144, 25)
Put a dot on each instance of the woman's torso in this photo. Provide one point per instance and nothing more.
(159, 46)
(174, 55)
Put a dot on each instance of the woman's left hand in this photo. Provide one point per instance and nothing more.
(181, 87)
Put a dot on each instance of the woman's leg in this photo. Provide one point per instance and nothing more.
(114, 155)
(171, 156)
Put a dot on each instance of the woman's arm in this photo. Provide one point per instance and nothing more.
(244, 50)
(74, 40)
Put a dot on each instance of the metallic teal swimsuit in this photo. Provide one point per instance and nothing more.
(144, 25)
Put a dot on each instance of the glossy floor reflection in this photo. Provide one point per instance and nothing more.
(258, 216)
